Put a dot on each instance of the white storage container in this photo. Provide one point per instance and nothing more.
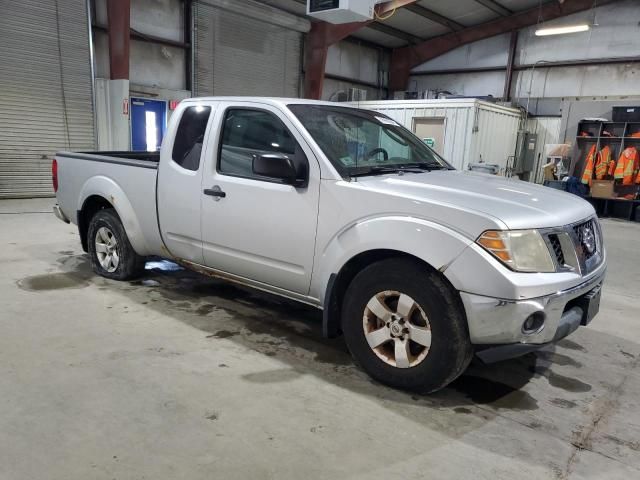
(464, 130)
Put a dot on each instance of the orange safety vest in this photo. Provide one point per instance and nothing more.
(587, 175)
(605, 165)
(627, 167)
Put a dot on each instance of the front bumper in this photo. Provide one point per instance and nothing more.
(498, 322)
(57, 211)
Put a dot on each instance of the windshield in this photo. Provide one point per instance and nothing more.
(364, 142)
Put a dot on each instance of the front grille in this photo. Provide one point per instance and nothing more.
(587, 237)
(557, 248)
(577, 247)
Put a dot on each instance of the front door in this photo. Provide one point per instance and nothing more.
(148, 121)
(257, 228)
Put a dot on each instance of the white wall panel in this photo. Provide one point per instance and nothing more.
(616, 35)
(353, 60)
(478, 84)
(490, 52)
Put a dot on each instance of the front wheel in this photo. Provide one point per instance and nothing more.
(404, 325)
(111, 253)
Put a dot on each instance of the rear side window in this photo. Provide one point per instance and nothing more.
(252, 132)
(187, 145)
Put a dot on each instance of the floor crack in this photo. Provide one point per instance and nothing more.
(602, 409)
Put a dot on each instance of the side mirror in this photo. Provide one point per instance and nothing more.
(278, 166)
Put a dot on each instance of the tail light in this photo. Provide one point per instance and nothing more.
(54, 175)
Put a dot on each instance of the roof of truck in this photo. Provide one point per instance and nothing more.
(267, 100)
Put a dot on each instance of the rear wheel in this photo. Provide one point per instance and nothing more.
(111, 253)
(404, 325)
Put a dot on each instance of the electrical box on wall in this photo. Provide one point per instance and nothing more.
(341, 11)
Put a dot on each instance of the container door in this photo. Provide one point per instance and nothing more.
(431, 132)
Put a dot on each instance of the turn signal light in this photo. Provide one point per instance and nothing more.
(494, 243)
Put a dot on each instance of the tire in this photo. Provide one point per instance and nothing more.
(428, 345)
(106, 236)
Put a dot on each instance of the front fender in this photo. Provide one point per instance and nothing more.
(433, 243)
(108, 189)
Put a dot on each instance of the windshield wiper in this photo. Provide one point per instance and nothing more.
(380, 170)
(425, 166)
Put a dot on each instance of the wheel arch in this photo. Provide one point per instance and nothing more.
(102, 192)
(340, 281)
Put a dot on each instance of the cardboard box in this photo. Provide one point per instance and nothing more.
(602, 189)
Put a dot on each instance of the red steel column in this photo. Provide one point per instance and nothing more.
(118, 14)
(320, 37)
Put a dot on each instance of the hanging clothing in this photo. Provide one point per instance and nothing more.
(587, 175)
(627, 167)
(605, 164)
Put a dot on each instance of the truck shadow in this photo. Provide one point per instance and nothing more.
(292, 332)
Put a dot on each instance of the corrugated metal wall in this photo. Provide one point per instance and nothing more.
(45, 74)
(244, 54)
(495, 136)
(548, 130)
(473, 128)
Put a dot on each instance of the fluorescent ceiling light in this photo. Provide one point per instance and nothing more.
(543, 32)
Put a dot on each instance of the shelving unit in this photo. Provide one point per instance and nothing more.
(619, 139)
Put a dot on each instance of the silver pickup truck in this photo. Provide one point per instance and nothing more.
(418, 265)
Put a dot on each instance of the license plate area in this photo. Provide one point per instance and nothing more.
(590, 304)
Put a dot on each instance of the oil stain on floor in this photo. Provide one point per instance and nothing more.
(52, 281)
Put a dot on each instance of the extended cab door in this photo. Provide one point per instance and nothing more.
(180, 178)
(256, 227)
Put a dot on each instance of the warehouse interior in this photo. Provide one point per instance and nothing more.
(178, 374)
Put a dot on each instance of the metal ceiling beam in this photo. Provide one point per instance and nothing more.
(392, 5)
(405, 58)
(434, 17)
(495, 7)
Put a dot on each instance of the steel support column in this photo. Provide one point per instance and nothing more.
(119, 13)
(321, 36)
(508, 77)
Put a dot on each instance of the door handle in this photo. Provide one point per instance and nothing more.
(215, 191)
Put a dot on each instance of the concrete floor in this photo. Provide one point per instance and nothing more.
(181, 376)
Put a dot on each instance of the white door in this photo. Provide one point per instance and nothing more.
(180, 182)
(259, 228)
(430, 131)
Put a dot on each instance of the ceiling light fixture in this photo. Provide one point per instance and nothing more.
(543, 32)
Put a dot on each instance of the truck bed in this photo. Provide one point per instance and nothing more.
(127, 180)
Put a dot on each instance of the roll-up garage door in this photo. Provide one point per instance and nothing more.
(246, 48)
(45, 91)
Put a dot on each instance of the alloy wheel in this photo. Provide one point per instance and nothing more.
(397, 329)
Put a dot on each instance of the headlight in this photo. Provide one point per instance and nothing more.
(520, 250)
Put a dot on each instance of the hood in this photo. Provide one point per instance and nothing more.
(518, 204)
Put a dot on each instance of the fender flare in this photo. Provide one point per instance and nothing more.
(106, 188)
(390, 234)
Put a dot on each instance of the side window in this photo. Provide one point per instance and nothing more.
(187, 145)
(246, 133)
